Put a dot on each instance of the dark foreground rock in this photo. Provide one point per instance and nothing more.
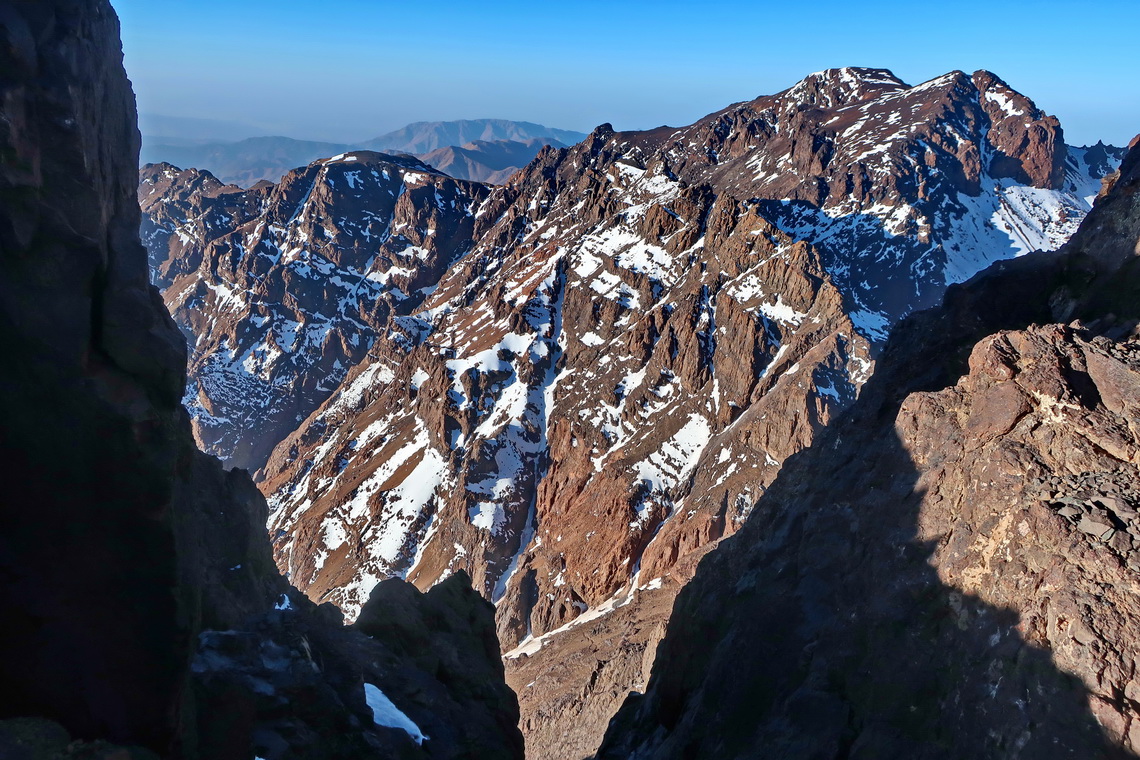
(950, 571)
(139, 598)
(41, 739)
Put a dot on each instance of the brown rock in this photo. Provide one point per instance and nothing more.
(922, 600)
(642, 330)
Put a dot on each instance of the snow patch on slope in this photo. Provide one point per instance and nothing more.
(385, 713)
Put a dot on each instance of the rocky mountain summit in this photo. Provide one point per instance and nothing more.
(285, 287)
(962, 583)
(143, 613)
(612, 355)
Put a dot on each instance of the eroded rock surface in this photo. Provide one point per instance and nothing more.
(281, 289)
(950, 570)
(631, 327)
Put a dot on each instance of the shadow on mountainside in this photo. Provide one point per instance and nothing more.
(823, 629)
(885, 269)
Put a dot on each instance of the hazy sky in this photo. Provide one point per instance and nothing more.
(347, 70)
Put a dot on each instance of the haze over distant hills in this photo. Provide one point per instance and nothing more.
(491, 161)
(485, 150)
(426, 136)
(194, 130)
(244, 162)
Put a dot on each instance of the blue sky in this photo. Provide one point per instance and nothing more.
(346, 70)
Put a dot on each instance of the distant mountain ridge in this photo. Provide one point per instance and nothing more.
(426, 136)
(484, 150)
(487, 161)
(244, 162)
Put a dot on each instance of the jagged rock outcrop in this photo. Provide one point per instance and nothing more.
(950, 570)
(141, 605)
(296, 683)
(550, 380)
(449, 633)
(611, 277)
(282, 288)
(643, 328)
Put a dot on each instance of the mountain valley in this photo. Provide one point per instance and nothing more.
(808, 430)
(574, 386)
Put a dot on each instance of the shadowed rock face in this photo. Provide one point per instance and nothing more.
(91, 382)
(449, 634)
(949, 571)
(140, 600)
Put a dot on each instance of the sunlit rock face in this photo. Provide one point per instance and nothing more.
(949, 570)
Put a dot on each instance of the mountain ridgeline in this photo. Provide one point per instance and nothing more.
(426, 136)
(572, 386)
